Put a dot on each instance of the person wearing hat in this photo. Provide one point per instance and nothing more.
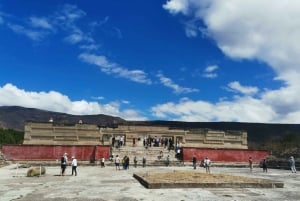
(293, 164)
(63, 164)
(74, 166)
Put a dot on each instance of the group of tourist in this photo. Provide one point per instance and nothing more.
(118, 141)
(156, 142)
(206, 163)
(125, 162)
(64, 163)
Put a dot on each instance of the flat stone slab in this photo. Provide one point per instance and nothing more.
(193, 179)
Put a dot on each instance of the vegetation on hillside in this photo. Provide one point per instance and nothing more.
(285, 146)
(10, 136)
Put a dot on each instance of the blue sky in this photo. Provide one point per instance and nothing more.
(186, 60)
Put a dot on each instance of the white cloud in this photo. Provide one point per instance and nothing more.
(242, 109)
(40, 22)
(251, 29)
(167, 82)
(90, 47)
(209, 71)
(32, 34)
(57, 102)
(74, 38)
(177, 6)
(264, 30)
(113, 68)
(69, 13)
(237, 87)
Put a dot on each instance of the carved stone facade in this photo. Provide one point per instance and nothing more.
(50, 133)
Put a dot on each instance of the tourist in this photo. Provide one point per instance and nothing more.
(113, 141)
(194, 162)
(63, 164)
(265, 165)
(135, 161)
(144, 161)
(102, 163)
(161, 155)
(125, 162)
(74, 165)
(168, 161)
(292, 164)
(250, 163)
(117, 162)
(207, 164)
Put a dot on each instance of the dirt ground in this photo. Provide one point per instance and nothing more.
(195, 176)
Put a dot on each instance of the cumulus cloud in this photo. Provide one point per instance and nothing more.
(54, 101)
(113, 68)
(242, 109)
(251, 29)
(167, 82)
(262, 30)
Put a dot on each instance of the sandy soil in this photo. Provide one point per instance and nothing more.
(195, 177)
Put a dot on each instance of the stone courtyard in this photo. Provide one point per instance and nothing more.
(96, 183)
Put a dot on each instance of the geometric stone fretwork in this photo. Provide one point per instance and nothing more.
(49, 133)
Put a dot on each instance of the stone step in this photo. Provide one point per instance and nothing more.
(152, 154)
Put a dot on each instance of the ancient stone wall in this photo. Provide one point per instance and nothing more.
(50, 133)
(224, 155)
(54, 152)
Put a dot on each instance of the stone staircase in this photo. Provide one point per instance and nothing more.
(151, 153)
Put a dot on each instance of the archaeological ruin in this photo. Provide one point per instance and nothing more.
(89, 142)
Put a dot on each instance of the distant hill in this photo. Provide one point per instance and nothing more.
(14, 117)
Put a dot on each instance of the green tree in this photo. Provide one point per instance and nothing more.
(10, 136)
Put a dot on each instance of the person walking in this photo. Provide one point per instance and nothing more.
(74, 166)
(293, 164)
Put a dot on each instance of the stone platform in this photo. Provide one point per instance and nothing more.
(196, 179)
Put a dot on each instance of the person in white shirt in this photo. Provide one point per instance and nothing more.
(74, 166)
(117, 162)
(207, 164)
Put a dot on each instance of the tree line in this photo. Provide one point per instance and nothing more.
(10, 136)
